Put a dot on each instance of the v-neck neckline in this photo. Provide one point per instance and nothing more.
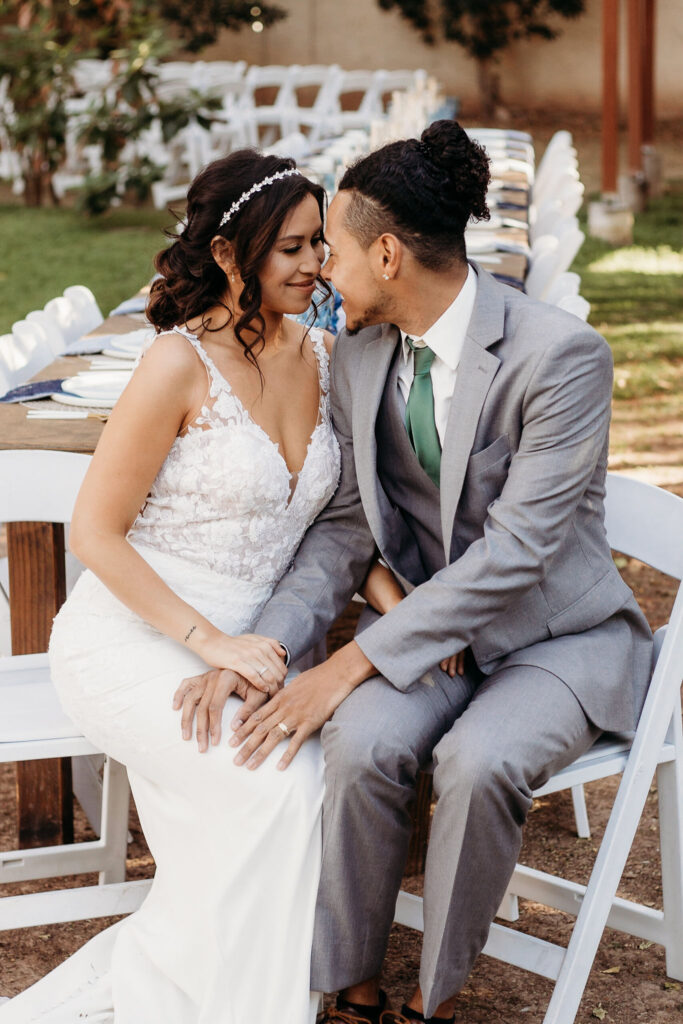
(246, 415)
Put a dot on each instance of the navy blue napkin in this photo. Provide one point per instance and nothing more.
(36, 389)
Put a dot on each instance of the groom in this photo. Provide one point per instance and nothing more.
(473, 425)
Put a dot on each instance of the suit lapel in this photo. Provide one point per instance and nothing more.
(476, 370)
(372, 379)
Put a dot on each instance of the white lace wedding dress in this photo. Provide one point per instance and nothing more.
(224, 936)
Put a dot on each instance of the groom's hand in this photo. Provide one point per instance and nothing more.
(204, 696)
(301, 708)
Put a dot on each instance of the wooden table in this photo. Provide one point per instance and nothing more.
(38, 589)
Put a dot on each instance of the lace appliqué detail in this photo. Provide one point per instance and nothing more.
(223, 497)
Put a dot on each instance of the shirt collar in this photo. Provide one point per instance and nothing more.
(447, 335)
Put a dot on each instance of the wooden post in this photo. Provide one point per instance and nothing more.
(649, 72)
(636, 27)
(37, 591)
(610, 95)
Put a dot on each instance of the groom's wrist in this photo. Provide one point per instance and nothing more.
(352, 664)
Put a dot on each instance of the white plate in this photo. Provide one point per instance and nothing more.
(95, 403)
(119, 353)
(96, 384)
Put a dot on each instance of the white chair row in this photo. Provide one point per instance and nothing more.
(643, 522)
(554, 229)
(44, 334)
(341, 100)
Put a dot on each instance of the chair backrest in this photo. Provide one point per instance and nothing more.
(40, 486)
(367, 84)
(645, 522)
(271, 76)
(565, 284)
(53, 331)
(498, 133)
(6, 383)
(64, 314)
(12, 358)
(88, 313)
(32, 341)
(575, 304)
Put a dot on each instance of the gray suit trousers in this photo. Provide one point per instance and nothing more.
(493, 740)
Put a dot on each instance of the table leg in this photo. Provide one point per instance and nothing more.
(37, 590)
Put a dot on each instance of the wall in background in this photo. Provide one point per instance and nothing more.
(565, 74)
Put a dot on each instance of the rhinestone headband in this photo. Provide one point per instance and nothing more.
(252, 192)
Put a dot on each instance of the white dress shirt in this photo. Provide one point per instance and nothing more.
(445, 338)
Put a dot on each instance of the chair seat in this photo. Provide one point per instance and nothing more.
(30, 710)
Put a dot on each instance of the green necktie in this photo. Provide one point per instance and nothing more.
(420, 422)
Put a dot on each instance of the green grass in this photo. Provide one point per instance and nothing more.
(636, 296)
(44, 251)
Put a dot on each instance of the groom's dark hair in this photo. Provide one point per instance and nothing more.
(423, 190)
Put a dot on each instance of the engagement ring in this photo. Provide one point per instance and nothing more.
(283, 727)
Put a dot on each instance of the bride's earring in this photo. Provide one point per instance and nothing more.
(385, 276)
(232, 276)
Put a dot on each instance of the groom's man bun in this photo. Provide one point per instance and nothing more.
(423, 190)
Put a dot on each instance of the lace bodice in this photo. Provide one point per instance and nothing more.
(223, 498)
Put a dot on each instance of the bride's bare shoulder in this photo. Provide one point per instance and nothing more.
(171, 356)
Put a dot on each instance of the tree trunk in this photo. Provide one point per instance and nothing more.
(33, 188)
(488, 78)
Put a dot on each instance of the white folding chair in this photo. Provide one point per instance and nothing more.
(65, 316)
(33, 346)
(42, 486)
(643, 522)
(88, 313)
(575, 304)
(5, 381)
(363, 87)
(53, 332)
(551, 256)
(565, 284)
(12, 359)
(315, 117)
(556, 209)
(559, 153)
(251, 115)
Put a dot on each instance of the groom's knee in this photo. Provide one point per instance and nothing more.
(361, 744)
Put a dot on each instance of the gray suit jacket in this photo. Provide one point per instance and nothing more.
(529, 578)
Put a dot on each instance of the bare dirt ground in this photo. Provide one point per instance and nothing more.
(628, 983)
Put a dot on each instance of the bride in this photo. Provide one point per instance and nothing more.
(216, 459)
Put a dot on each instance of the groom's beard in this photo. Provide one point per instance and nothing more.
(374, 314)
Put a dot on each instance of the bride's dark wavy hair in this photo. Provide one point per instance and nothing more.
(191, 281)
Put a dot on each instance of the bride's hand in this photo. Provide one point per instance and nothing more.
(205, 696)
(259, 659)
(294, 713)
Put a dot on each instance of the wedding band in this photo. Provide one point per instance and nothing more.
(283, 727)
(264, 668)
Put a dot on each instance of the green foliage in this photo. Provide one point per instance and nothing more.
(38, 54)
(38, 68)
(199, 22)
(486, 27)
(103, 26)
